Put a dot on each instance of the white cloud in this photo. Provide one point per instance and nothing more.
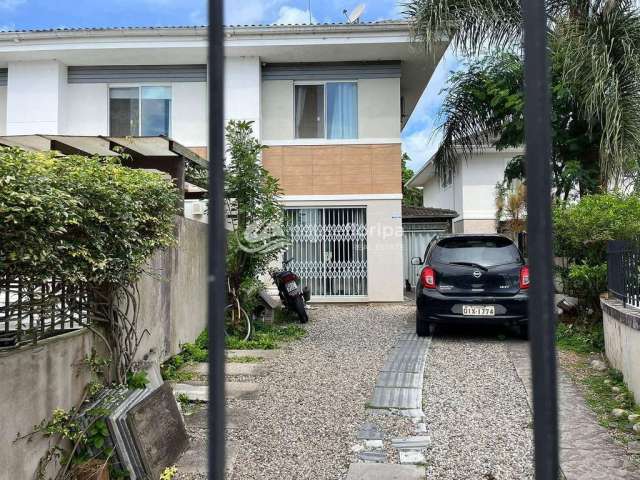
(249, 12)
(292, 15)
(11, 4)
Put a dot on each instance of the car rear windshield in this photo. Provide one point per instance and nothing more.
(487, 252)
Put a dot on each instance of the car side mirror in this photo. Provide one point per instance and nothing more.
(416, 261)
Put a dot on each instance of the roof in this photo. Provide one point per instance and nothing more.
(201, 29)
(427, 212)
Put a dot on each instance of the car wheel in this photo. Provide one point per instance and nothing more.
(423, 328)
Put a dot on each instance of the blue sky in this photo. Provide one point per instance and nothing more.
(418, 138)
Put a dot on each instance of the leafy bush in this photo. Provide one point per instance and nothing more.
(581, 234)
(81, 219)
(583, 229)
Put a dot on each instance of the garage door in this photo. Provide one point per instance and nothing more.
(415, 238)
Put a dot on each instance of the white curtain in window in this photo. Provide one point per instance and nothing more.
(342, 110)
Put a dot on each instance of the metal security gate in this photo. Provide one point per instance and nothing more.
(329, 249)
(415, 238)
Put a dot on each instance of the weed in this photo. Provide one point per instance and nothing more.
(266, 337)
(580, 338)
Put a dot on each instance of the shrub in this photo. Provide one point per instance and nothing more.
(581, 234)
(80, 219)
(583, 229)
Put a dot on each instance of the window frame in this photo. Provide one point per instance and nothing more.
(139, 86)
(324, 107)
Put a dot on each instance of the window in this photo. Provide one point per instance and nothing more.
(135, 111)
(328, 110)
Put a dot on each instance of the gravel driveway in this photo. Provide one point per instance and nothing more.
(313, 399)
(476, 411)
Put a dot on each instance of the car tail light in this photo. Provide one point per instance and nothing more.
(524, 277)
(428, 277)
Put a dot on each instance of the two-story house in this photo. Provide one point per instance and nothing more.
(470, 190)
(328, 100)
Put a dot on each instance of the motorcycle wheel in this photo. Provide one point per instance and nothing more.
(300, 310)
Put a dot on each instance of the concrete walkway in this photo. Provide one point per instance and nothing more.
(398, 391)
(587, 451)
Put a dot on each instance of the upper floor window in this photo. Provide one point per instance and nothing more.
(135, 111)
(326, 110)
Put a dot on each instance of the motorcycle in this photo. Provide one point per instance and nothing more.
(293, 298)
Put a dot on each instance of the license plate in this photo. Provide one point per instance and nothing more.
(479, 310)
(291, 286)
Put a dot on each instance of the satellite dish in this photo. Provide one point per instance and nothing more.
(356, 14)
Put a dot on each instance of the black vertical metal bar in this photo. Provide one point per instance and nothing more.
(542, 314)
(217, 243)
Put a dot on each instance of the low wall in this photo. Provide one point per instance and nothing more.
(622, 341)
(173, 298)
(35, 380)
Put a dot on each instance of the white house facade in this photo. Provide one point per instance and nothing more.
(470, 191)
(329, 101)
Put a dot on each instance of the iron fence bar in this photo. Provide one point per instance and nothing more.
(217, 241)
(542, 313)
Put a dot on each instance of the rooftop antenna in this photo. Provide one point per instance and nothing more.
(354, 16)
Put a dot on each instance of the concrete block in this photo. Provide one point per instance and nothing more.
(384, 471)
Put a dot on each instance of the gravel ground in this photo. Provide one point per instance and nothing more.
(476, 411)
(313, 400)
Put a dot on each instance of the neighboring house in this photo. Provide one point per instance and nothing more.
(328, 100)
(470, 191)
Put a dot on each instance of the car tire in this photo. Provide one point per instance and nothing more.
(423, 328)
(523, 331)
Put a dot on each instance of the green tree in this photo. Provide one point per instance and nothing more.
(257, 218)
(595, 49)
(411, 196)
(484, 104)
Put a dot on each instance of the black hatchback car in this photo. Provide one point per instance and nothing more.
(472, 279)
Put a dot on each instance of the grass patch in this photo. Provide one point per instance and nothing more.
(266, 337)
(247, 359)
(602, 399)
(580, 338)
(173, 370)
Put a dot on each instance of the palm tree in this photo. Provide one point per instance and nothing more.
(595, 50)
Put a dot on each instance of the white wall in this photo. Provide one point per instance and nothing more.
(3, 110)
(86, 109)
(435, 195)
(242, 85)
(35, 97)
(189, 119)
(277, 110)
(379, 108)
(480, 174)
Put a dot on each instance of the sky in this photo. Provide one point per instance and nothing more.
(419, 137)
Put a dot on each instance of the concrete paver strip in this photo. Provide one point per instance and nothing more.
(234, 390)
(381, 471)
(399, 383)
(266, 354)
(242, 390)
(245, 369)
(587, 451)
